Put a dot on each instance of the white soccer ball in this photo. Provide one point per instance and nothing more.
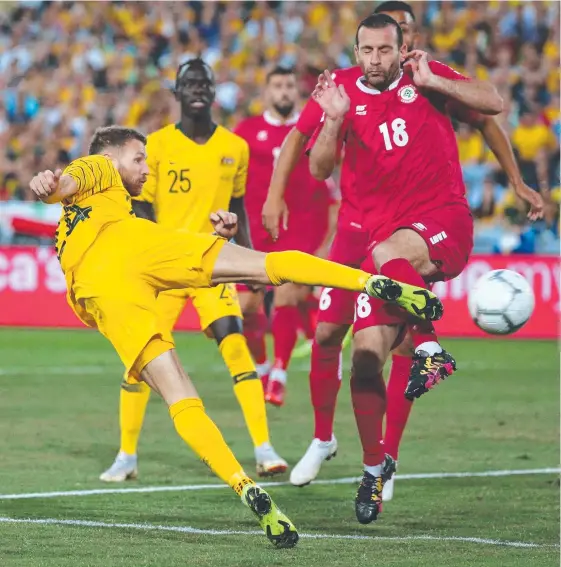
(500, 302)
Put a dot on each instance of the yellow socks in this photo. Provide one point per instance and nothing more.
(301, 268)
(247, 386)
(201, 434)
(132, 407)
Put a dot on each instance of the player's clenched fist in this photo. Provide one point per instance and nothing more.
(333, 99)
(225, 223)
(45, 183)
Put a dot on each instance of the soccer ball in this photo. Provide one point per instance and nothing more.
(500, 302)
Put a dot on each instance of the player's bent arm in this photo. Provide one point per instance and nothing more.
(243, 237)
(144, 210)
(323, 156)
(66, 187)
(290, 152)
(481, 96)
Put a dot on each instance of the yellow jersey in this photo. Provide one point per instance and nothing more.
(188, 181)
(101, 199)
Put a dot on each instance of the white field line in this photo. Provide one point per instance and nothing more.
(197, 531)
(345, 480)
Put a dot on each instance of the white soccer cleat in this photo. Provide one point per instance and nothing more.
(387, 491)
(268, 462)
(124, 467)
(309, 465)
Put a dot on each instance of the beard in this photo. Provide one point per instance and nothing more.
(384, 78)
(133, 186)
(284, 109)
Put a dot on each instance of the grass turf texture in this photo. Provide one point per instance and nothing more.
(58, 416)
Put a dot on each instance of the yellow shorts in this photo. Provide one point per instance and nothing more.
(211, 304)
(115, 287)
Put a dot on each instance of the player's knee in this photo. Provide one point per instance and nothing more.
(225, 326)
(328, 334)
(367, 365)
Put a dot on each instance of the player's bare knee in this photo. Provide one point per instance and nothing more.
(329, 334)
(366, 368)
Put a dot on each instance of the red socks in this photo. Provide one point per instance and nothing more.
(325, 381)
(369, 404)
(308, 316)
(255, 327)
(398, 407)
(286, 320)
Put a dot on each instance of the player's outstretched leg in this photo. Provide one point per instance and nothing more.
(132, 409)
(165, 375)
(405, 257)
(236, 264)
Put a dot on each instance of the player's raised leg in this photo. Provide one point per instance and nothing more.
(405, 257)
(236, 264)
(165, 375)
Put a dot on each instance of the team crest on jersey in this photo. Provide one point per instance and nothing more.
(407, 94)
(262, 135)
(227, 161)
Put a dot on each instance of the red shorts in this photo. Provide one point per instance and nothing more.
(449, 237)
(448, 234)
(337, 305)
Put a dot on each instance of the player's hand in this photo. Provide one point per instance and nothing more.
(333, 99)
(273, 213)
(225, 223)
(533, 198)
(45, 183)
(417, 65)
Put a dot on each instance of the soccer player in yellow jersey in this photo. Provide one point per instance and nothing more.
(116, 265)
(197, 167)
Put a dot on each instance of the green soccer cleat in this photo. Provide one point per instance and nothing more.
(418, 301)
(277, 527)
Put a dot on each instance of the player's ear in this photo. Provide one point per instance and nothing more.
(356, 53)
(402, 53)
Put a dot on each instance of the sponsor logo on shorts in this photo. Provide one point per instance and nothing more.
(438, 237)
(361, 109)
(419, 226)
(407, 94)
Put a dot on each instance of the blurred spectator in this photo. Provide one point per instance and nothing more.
(69, 67)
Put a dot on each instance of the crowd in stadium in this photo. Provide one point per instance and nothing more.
(67, 68)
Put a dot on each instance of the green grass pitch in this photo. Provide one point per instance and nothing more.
(59, 429)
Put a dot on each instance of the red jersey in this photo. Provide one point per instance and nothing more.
(311, 118)
(308, 200)
(401, 146)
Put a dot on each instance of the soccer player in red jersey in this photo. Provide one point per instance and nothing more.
(401, 148)
(338, 307)
(313, 204)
